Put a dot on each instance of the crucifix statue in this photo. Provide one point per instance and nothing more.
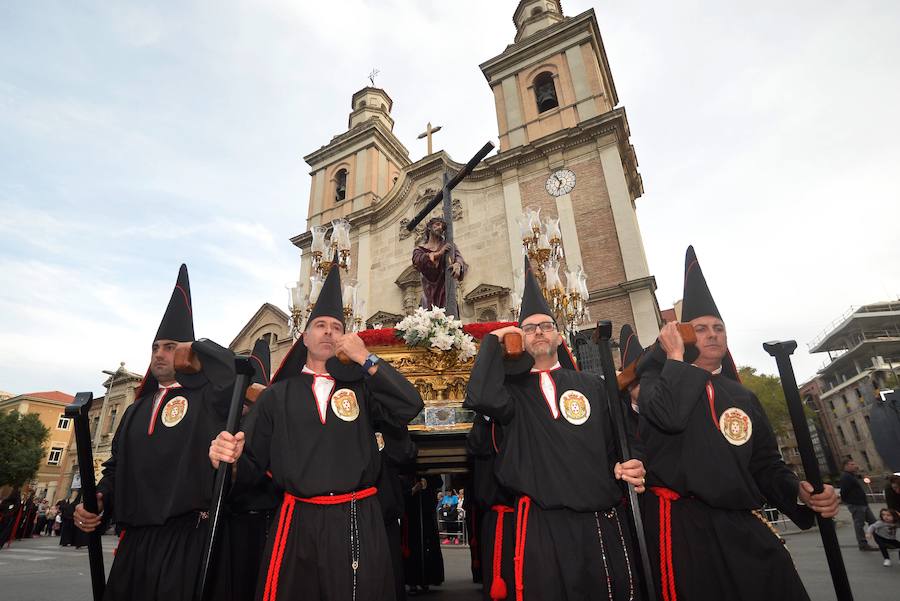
(427, 134)
(440, 273)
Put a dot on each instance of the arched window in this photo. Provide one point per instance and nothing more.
(340, 185)
(536, 11)
(362, 104)
(545, 92)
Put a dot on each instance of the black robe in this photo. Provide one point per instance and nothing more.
(719, 483)
(158, 481)
(491, 501)
(246, 520)
(308, 455)
(398, 454)
(423, 561)
(576, 546)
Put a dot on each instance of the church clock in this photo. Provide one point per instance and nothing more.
(560, 182)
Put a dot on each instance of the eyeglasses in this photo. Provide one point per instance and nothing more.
(545, 326)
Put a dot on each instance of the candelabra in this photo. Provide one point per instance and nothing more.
(322, 252)
(542, 243)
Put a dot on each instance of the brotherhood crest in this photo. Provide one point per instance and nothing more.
(344, 405)
(575, 407)
(736, 426)
(174, 411)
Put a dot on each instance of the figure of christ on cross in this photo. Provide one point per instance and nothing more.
(430, 260)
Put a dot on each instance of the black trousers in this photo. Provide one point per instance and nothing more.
(884, 544)
(238, 556)
(158, 562)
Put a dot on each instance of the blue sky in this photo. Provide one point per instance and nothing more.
(135, 136)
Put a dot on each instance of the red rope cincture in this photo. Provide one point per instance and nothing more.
(119, 544)
(666, 569)
(498, 585)
(284, 525)
(519, 557)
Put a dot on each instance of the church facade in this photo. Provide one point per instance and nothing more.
(558, 118)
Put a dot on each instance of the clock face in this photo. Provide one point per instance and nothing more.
(561, 182)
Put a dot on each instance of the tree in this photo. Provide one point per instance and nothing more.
(770, 393)
(22, 441)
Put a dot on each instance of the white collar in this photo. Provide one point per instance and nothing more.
(307, 370)
(554, 368)
(714, 372)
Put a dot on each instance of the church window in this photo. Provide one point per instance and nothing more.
(340, 185)
(111, 425)
(545, 92)
(383, 107)
(536, 11)
(362, 104)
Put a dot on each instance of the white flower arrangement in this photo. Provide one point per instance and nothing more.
(434, 328)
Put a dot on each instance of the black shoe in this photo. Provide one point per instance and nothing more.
(867, 548)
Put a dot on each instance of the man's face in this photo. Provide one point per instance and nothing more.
(162, 360)
(852, 467)
(712, 341)
(437, 229)
(539, 343)
(321, 337)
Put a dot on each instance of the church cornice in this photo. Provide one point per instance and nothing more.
(485, 291)
(373, 129)
(541, 43)
(647, 283)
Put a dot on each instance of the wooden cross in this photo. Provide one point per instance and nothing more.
(427, 134)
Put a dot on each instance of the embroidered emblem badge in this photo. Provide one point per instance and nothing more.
(574, 407)
(344, 405)
(174, 411)
(736, 426)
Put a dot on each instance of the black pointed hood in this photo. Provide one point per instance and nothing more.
(630, 348)
(697, 300)
(533, 301)
(330, 301)
(260, 360)
(178, 322)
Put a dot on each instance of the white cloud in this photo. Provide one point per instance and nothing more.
(136, 137)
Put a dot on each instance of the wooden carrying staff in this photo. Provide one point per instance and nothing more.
(77, 411)
(186, 361)
(628, 375)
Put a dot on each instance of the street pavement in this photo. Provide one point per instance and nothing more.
(40, 570)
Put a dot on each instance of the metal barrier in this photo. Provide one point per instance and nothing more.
(453, 532)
